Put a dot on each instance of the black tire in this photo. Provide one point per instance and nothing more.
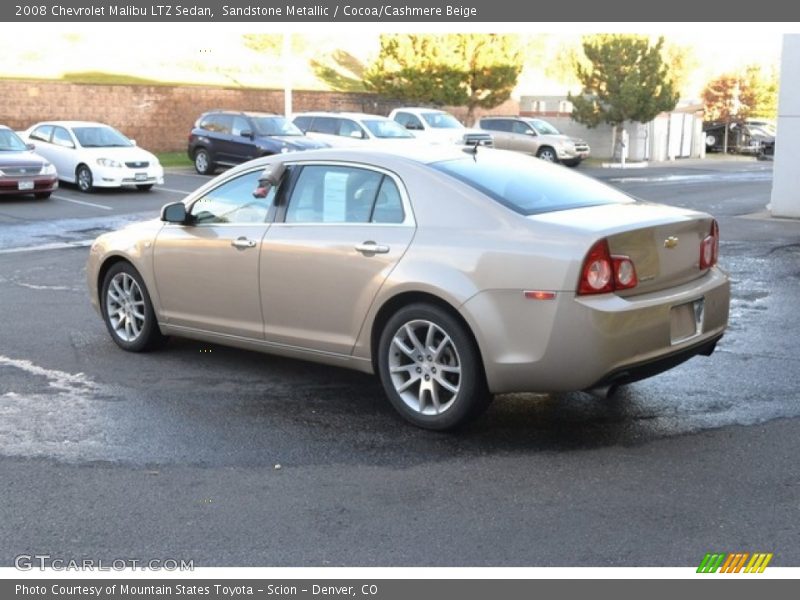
(548, 154)
(203, 163)
(84, 179)
(42, 195)
(144, 187)
(471, 397)
(571, 163)
(149, 336)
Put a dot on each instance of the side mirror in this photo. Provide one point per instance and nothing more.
(531, 133)
(357, 134)
(174, 213)
(30, 146)
(246, 133)
(270, 178)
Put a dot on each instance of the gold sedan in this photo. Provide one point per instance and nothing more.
(452, 274)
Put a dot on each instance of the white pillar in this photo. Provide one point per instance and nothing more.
(286, 56)
(786, 175)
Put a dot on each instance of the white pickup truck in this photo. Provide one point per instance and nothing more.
(439, 127)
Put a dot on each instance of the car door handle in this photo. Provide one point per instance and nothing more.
(243, 242)
(372, 248)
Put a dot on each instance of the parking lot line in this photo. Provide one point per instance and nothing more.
(103, 206)
(173, 191)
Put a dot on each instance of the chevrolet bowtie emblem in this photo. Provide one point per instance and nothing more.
(670, 242)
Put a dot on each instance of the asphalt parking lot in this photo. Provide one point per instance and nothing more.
(232, 458)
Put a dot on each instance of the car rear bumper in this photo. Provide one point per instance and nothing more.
(574, 343)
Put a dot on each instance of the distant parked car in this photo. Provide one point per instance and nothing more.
(755, 137)
(22, 171)
(439, 127)
(94, 155)
(225, 137)
(537, 137)
(354, 129)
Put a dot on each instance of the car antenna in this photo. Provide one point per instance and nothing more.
(472, 149)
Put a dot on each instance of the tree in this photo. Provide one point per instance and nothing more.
(623, 78)
(472, 70)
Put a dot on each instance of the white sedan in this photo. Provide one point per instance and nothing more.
(94, 155)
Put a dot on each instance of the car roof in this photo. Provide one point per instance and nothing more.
(247, 113)
(347, 115)
(74, 124)
(420, 109)
(4, 127)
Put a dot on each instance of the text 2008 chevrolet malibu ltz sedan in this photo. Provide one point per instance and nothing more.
(452, 274)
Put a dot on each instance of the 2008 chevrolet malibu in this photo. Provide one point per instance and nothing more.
(452, 274)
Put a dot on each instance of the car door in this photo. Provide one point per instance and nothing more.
(222, 126)
(207, 271)
(242, 148)
(523, 138)
(501, 132)
(339, 232)
(63, 153)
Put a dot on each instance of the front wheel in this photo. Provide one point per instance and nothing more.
(431, 369)
(548, 154)
(85, 179)
(128, 311)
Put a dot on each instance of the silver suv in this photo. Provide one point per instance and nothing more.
(535, 136)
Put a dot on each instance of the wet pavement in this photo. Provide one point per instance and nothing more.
(177, 450)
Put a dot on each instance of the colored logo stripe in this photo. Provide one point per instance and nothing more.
(734, 562)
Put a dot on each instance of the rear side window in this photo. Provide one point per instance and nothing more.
(336, 194)
(302, 123)
(217, 123)
(528, 186)
(327, 125)
(496, 124)
(42, 133)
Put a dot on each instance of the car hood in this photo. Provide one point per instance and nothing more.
(25, 158)
(127, 154)
(298, 142)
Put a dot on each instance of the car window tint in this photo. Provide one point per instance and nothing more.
(519, 127)
(217, 123)
(494, 124)
(240, 124)
(302, 123)
(408, 121)
(348, 128)
(526, 185)
(62, 138)
(233, 202)
(388, 204)
(42, 133)
(333, 194)
(327, 125)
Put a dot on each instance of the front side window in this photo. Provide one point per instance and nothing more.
(62, 138)
(240, 125)
(335, 194)
(278, 125)
(233, 202)
(442, 120)
(408, 121)
(348, 128)
(543, 127)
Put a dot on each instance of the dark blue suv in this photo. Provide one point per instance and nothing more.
(227, 138)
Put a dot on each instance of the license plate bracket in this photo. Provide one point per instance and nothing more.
(25, 185)
(140, 177)
(686, 320)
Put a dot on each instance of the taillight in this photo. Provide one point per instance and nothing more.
(709, 247)
(603, 273)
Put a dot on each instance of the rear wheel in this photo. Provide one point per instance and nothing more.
(202, 162)
(430, 368)
(547, 153)
(128, 311)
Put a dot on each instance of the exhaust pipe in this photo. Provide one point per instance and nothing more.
(603, 392)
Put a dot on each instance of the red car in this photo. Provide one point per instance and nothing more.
(22, 171)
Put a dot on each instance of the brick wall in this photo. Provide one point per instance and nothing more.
(159, 118)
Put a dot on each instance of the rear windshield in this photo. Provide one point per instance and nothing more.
(528, 185)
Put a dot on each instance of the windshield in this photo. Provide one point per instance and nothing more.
(442, 120)
(275, 126)
(384, 128)
(10, 142)
(543, 127)
(526, 185)
(100, 137)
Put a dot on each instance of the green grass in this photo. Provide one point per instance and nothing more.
(174, 159)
